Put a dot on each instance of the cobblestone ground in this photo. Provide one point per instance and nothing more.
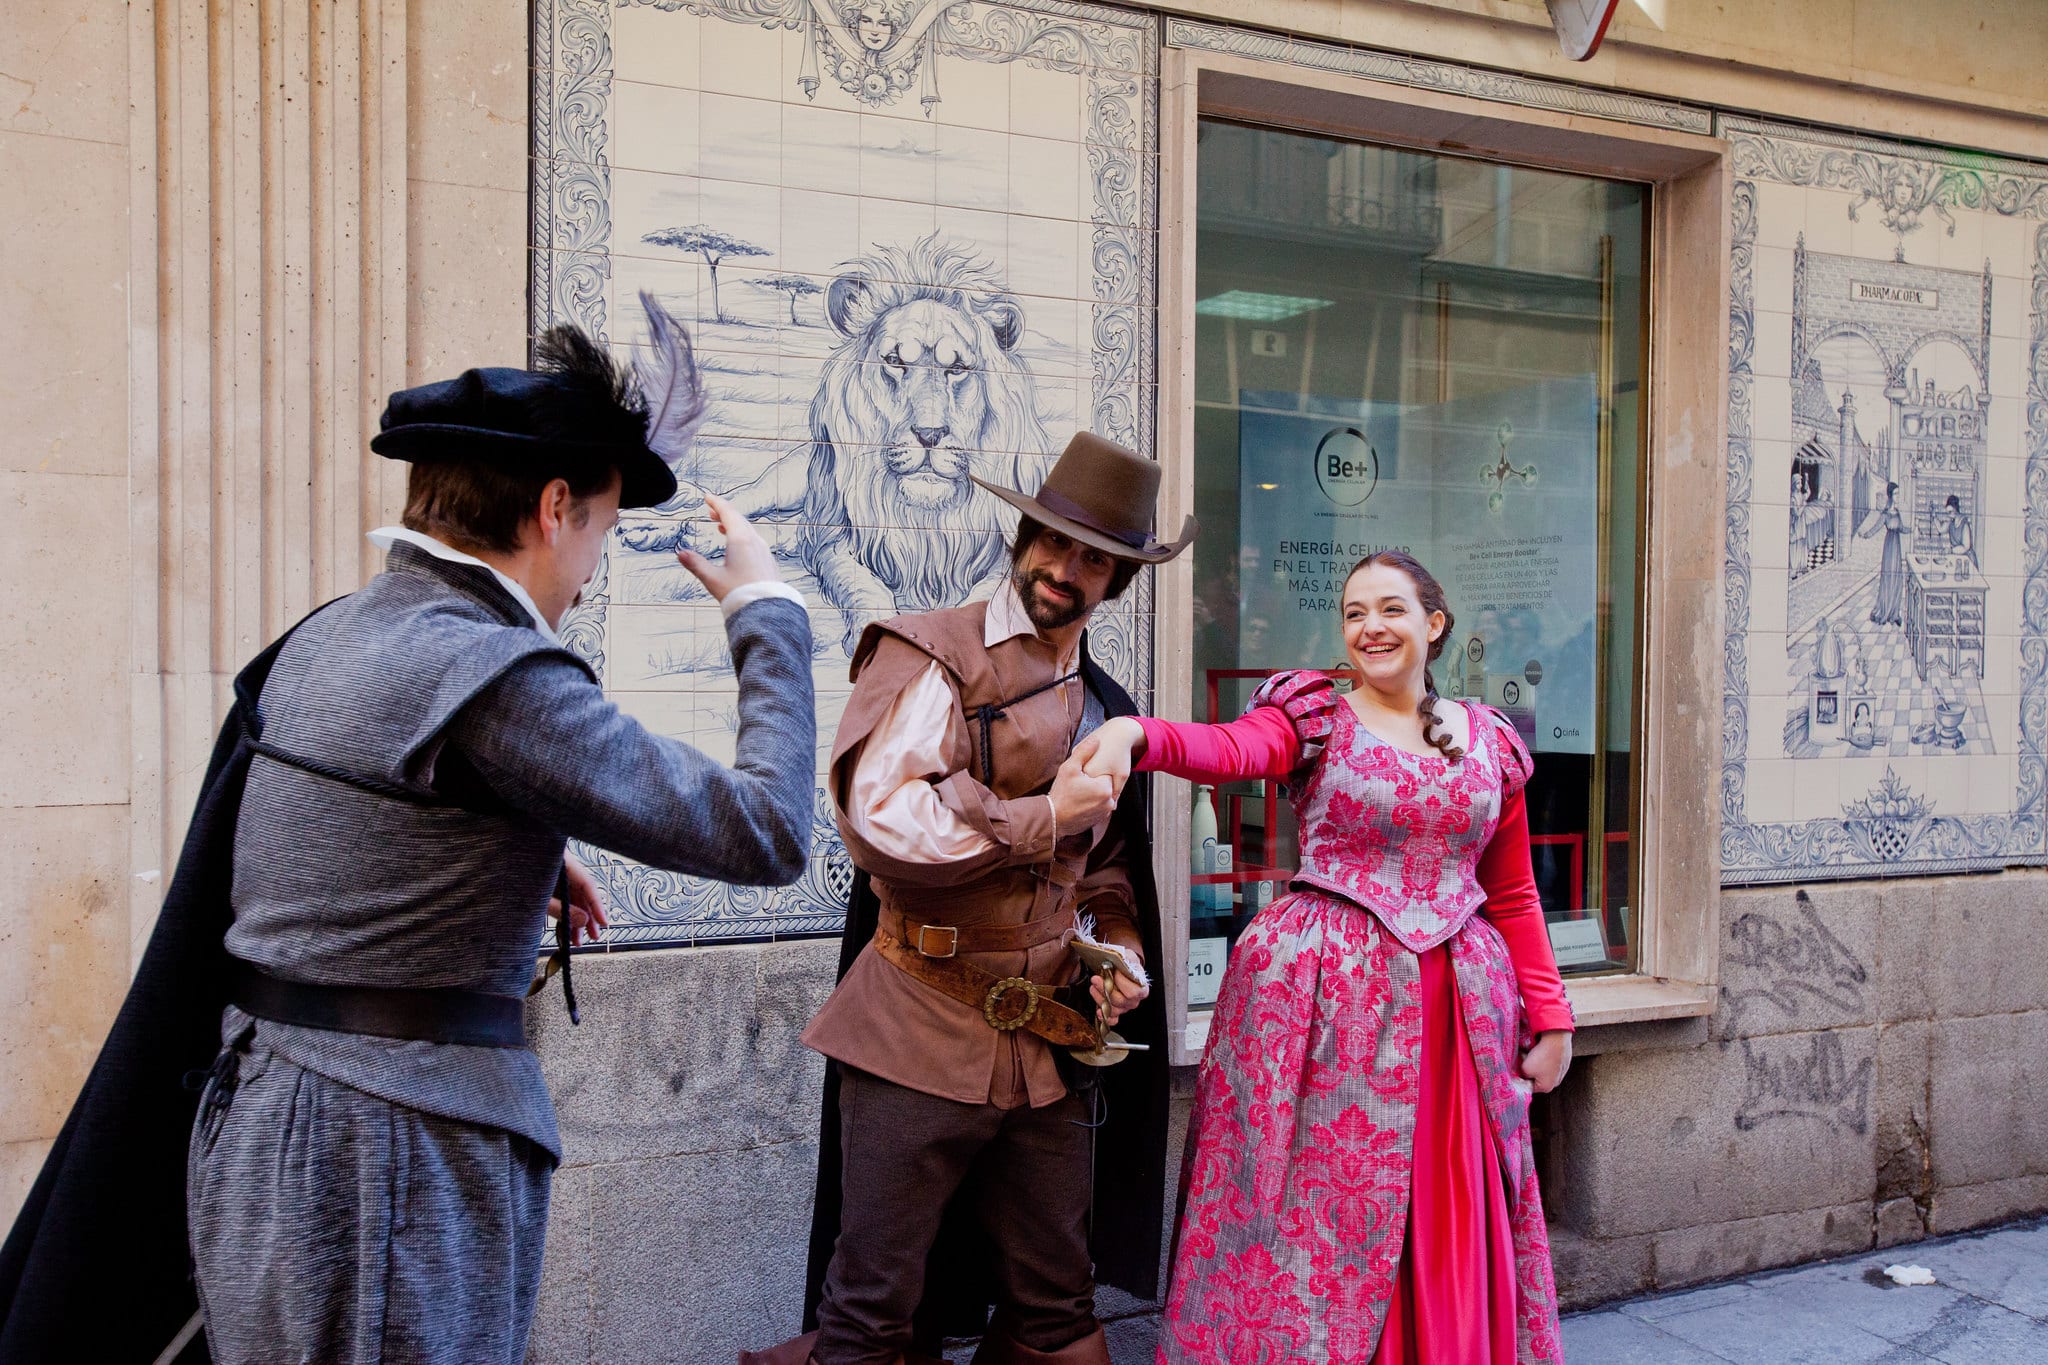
(1989, 1304)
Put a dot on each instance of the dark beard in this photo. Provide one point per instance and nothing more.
(1044, 614)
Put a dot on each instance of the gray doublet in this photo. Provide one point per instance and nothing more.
(431, 679)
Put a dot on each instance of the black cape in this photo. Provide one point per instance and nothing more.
(1130, 1147)
(97, 1266)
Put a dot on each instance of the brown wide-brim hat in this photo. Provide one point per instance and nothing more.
(1103, 496)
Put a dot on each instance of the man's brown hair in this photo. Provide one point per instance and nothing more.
(474, 506)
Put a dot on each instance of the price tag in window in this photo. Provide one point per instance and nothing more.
(1205, 968)
(1578, 942)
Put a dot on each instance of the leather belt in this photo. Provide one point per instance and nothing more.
(433, 1014)
(1006, 1002)
(944, 940)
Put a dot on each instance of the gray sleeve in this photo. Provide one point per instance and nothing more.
(545, 739)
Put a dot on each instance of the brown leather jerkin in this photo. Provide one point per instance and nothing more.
(881, 1018)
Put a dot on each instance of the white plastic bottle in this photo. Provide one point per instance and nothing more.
(1202, 850)
(1208, 931)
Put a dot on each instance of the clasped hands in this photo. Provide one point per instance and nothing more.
(1081, 800)
(1094, 774)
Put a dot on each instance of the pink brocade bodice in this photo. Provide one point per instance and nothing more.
(1399, 834)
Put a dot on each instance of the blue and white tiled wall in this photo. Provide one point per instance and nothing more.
(916, 236)
(1887, 509)
(941, 214)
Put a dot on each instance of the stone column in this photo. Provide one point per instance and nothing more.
(268, 243)
(205, 303)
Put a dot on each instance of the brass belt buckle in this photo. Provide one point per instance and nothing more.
(1001, 1013)
(952, 942)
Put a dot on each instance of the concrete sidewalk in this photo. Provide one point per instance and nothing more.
(1989, 1303)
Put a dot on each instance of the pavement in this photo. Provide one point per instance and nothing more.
(1989, 1304)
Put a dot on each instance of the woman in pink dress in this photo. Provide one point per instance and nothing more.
(1360, 1184)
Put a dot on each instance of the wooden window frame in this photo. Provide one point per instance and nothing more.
(1677, 821)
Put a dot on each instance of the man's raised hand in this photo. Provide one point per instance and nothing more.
(747, 557)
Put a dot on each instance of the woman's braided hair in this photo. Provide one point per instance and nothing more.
(1431, 595)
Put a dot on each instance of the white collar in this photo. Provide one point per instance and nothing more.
(1007, 619)
(384, 537)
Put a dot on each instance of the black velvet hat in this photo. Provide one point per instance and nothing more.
(576, 410)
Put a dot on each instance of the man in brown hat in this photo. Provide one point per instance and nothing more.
(955, 1162)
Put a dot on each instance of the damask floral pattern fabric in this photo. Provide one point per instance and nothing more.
(1302, 1158)
(1397, 833)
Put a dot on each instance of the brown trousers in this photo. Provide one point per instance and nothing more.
(1027, 1171)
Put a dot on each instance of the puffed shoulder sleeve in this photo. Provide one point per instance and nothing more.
(1516, 763)
(1309, 700)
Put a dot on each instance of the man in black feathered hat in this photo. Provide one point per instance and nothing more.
(355, 916)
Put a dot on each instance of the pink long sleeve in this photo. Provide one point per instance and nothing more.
(1513, 908)
(1261, 743)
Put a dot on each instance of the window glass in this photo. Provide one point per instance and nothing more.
(1401, 349)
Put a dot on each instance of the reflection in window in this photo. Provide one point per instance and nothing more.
(1401, 349)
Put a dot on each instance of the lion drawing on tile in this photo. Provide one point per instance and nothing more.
(925, 389)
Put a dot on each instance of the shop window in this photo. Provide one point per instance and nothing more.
(1400, 348)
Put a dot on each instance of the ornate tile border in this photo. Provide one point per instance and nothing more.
(570, 201)
(1117, 51)
(1892, 831)
(1421, 74)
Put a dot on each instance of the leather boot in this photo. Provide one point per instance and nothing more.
(997, 1348)
(795, 1351)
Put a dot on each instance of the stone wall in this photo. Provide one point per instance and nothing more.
(64, 560)
(689, 1117)
(1871, 1076)
(682, 1213)
(237, 230)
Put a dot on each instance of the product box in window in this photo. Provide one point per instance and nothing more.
(1514, 696)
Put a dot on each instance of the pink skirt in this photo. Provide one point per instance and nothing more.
(1454, 1294)
(1360, 1187)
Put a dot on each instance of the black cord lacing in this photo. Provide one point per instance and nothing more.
(564, 931)
(988, 713)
